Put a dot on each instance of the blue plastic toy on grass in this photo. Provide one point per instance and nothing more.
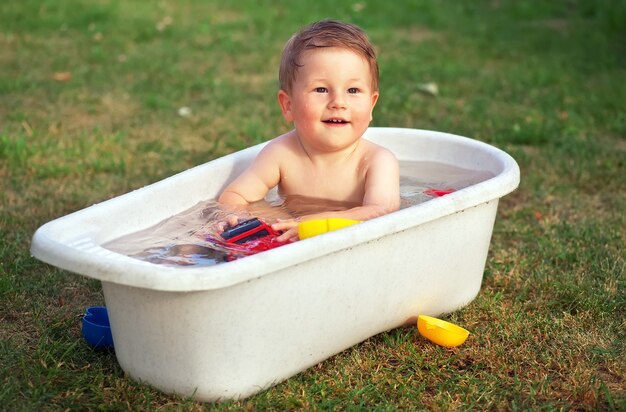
(96, 327)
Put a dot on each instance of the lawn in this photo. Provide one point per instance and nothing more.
(91, 94)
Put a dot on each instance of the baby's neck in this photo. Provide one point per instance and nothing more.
(329, 157)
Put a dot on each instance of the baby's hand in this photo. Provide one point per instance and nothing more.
(231, 220)
(289, 227)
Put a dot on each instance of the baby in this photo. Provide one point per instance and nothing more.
(328, 89)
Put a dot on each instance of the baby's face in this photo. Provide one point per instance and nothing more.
(331, 100)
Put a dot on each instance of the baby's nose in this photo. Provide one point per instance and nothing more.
(337, 101)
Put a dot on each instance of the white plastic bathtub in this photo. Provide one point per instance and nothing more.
(233, 329)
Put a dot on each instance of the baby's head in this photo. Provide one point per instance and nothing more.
(325, 33)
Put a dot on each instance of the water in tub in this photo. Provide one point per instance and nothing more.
(190, 238)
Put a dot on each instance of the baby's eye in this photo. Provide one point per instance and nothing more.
(353, 90)
(321, 90)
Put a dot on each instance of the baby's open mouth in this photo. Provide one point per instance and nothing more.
(335, 121)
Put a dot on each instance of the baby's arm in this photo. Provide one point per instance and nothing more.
(382, 196)
(254, 183)
(382, 187)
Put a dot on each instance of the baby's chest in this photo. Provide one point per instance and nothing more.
(343, 185)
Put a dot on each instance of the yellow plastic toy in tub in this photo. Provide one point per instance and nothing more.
(316, 227)
(441, 332)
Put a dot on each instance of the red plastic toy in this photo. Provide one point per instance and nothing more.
(248, 230)
(250, 237)
(438, 192)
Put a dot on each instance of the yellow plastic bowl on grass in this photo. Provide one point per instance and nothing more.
(316, 227)
(441, 332)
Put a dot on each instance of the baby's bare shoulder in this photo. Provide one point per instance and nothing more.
(282, 144)
(274, 150)
(374, 153)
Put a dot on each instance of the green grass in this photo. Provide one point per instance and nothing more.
(544, 81)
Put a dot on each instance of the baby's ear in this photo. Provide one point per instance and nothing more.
(285, 105)
(374, 100)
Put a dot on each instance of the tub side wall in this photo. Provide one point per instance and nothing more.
(233, 342)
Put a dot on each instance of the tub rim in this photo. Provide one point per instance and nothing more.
(84, 256)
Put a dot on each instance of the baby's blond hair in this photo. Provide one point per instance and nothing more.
(325, 33)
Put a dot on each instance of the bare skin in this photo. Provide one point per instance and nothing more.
(325, 157)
